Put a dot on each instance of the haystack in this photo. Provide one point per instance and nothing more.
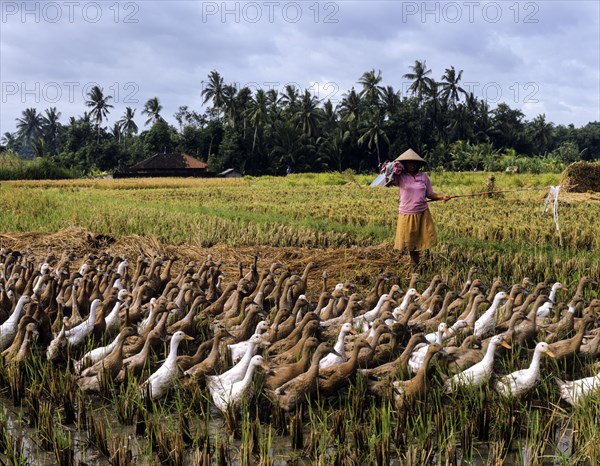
(581, 177)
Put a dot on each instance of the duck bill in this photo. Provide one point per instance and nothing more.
(505, 344)
(550, 353)
(187, 337)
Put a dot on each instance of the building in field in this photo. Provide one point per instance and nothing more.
(173, 164)
(230, 173)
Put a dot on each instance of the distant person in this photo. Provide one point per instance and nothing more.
(288, 170)
(415, 231)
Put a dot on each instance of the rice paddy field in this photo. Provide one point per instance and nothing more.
(344, 228)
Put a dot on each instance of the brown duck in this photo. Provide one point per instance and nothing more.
(107, 369)
(136, 364)
(399, 366)
(333, 378)
(406, 392)
(198, 367)
(282, 373)
(293, 393)
(290, 355)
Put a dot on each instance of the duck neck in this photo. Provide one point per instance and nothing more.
(422, 372)
(16, 315)
(339, 344)
(439, 338)
(488, 358)
(248, 375)
(405, 302)
(535, 362)
(172, 352)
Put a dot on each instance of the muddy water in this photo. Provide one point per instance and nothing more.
(280, 451)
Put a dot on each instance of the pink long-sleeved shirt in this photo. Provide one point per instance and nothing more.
(414, 189)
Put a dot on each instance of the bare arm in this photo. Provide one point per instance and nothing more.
(439, 197)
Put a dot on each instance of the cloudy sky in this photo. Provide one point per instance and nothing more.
(539, 56)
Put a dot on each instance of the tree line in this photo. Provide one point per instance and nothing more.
(266, 131)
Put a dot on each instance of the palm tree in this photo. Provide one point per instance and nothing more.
(541, 133)
(332, 146)
(10, 141)
(99, 105)
(39, 148)
(51, 129)
(451, 91)
(372, 91)
(308, 115)
(373, 134)
(126, 123)
(152, 108)
(117, 132)
(290, 98)
(421, 82)
(258, 114)
(214, 90)
(350, 107)
(29, 126)
(273, 100)
(390, 101)
(230, 103)
(329, 117)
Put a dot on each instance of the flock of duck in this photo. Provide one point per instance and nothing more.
(107, 320)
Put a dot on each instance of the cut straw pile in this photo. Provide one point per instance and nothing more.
(581, 177)
(359, 265)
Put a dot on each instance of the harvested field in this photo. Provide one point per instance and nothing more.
(356, 423)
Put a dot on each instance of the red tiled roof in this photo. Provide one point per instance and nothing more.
(169, 161)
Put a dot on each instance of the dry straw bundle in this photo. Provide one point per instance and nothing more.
(581, 177)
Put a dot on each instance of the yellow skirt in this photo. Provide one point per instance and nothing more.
(415, 232)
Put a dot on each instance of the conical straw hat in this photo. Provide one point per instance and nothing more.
(410, 155)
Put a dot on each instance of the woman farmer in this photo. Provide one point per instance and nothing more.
(415, 231)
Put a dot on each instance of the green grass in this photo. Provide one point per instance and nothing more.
(508, 233)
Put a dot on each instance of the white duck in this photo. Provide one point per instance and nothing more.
(576, 392)
(363, 321)
(333, 358)
(230, 395)
(401, 309)
(8, 330)
(95, 355)
(486, 324)
(151, 316)
(122, 267)
(76, 336)
(442, 335)
(237, 350)
(159, 382)
(418, 355)
(237, 372)
(479, 373)
(113, 320)
(372, 314)
(520, 382)
(56, 346)
(545, 308)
